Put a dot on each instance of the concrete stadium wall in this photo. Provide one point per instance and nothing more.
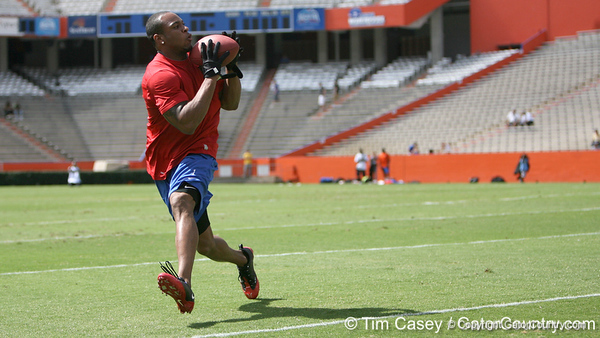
(495, 23)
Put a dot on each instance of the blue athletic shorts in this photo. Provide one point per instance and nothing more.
(195, 169)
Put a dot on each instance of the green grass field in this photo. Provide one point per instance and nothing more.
(398, 258)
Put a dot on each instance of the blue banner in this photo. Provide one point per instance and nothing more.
(47, 26)
(244, 21)
(309, 19)
(82, 26)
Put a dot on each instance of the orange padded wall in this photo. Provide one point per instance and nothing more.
(570, 166)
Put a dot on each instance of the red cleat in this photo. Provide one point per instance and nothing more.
(170, 284)
(247, 275)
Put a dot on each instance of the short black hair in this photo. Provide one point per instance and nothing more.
(154, 26)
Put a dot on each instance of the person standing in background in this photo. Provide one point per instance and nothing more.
(360, 160)
(596, 139)
(384, 163)
(522, 168)
(247, 164)
(74, 176)
(373, 167)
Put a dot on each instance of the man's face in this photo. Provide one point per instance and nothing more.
(176, 35)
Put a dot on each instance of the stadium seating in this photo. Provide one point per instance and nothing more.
(356, 74)
(294, 121)
(151, 6)
(14, 8)
(354, 3)
(277, 130)
(125, 79)
(558, 83)
(67, 7)
(99, 114)
(15, 148)
(47, 120)
(446, 72)
(394, 2)
(92, 7)
(44, 7)
(397, 73)
(308, 75)
(12, 84)
(302, 3)
(253, 74)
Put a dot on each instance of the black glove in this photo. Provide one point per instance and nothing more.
(232, 66)
(211, 63)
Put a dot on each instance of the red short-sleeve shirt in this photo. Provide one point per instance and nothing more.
(166, 83)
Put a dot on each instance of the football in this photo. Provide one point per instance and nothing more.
(227, 44)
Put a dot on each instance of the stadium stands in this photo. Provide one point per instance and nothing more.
(446, 72)
(354, 3)
(66, 7)
(356, 74)
(303, 3)
(253, 74)
(308, 75)
(145, 6)
(394, 2)
(294, 121)
(124, 80)
(17, 149)
(397, 73)
(559, 83)
(44, 7)
(557, 79)
(12, 84)
(47, 120)
(80, 7)
(93, 7)
(14, 8)
(99, 114)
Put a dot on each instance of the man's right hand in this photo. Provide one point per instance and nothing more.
(211, 62)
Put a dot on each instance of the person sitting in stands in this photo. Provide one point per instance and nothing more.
(413, 149)
(511, 118)
(596, 139)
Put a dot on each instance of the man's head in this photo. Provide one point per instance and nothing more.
(154, 26)
(169, 35)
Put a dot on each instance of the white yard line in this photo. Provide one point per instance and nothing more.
(315, 253)
(439, 218)
(337, 322)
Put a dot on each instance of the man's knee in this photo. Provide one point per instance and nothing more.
(181, 202)
(206, 245)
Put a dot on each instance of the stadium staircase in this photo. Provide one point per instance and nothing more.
(27, 6)
(240, 142)
(109, 5)
(36, 147)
